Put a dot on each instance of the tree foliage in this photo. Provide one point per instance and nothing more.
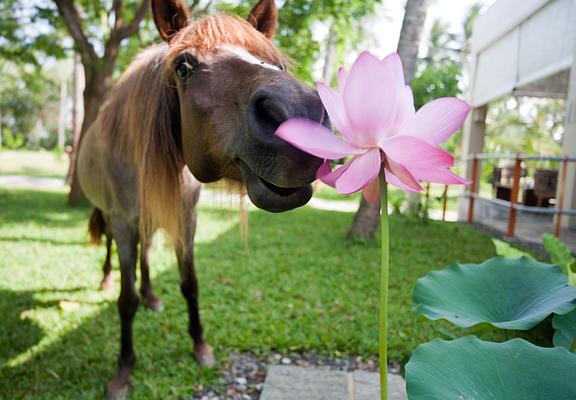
(525, 125)
(298, 20)
(437, 81)
(442, 70)
(26, 97)
(29, 32)
(33, 34)
(27, 40)
(33, 37)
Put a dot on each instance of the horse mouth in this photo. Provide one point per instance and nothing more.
(271, 197)
(280, 191)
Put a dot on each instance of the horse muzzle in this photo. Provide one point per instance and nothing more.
(270, 197)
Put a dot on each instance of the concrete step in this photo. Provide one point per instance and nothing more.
(295, 383)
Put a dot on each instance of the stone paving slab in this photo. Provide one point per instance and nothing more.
(295, 383)
(367, 386)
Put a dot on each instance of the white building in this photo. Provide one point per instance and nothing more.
(524, 47)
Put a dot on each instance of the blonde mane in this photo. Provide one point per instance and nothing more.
(141, 119)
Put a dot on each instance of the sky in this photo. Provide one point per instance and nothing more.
(388, 22)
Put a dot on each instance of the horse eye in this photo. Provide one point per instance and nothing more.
(185, 69)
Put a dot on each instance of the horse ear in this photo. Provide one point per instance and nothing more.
(170, 16)
(264, 17)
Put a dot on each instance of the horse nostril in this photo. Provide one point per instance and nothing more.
(269, 112)
(266, 113)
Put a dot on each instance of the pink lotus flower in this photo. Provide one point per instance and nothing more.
(374, 113)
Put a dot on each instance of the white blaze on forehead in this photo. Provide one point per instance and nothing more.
(246, 56)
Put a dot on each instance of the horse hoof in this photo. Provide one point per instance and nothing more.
(117, 390)
(155, 306)
(204, 355)
(153, 303)
(119, 387)
(106, 284)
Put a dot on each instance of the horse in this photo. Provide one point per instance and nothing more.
(200, 107)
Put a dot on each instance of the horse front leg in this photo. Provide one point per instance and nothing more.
(150, 299)
(203, 352)
(126, 237)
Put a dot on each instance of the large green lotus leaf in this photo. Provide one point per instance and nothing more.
(508, 294)
(565, 326)
(471, 369)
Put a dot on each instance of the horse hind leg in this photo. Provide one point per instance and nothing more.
(150, 299)
(106, 283)
(126, 236)
(99, 225)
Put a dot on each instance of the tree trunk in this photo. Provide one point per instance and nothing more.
(77, 114)
(366, 221)
(412, 33)
(328, 70)
(410, 36)
(367, 217)
(94, 96)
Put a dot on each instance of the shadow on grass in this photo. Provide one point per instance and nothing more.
(45, 208)
(51, 242)
(17, 332)
(79, 363)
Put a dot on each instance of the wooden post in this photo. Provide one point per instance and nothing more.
(473, 189)
(560, 205)
(514, 197)
(445, 202)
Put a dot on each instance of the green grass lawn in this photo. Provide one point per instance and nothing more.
(33, 163)
(297, 286)
(327, 193)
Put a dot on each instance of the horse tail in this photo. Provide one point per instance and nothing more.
(96, 226)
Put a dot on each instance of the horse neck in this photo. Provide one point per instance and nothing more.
(143, 104)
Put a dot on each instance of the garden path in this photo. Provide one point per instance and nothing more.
(18, 181)
(529, 231)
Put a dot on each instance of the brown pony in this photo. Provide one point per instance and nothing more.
(202, 107)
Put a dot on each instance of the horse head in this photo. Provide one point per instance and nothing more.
(234, 90)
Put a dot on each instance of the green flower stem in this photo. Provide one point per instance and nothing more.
(385, 240)
(573, 346)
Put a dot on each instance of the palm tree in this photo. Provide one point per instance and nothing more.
(367, 218)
